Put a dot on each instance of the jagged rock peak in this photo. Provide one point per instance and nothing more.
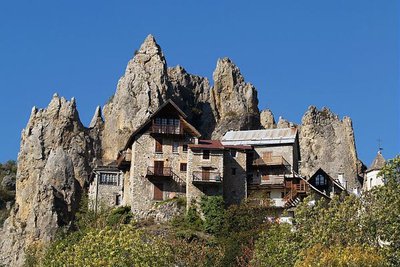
(283, 123)
(267, 119)
(234, 102)
(327, 142)
(97, 118)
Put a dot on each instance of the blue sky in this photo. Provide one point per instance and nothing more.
(341, 54)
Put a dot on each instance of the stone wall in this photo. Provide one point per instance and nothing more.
(104, 195)
(141, 188)
(235, 182)
(195, 164)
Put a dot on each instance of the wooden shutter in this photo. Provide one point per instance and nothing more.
(205, 174)
(158, 167)
(158, 145)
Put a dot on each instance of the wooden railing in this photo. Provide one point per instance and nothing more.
(207, 177)
(295, 190)
(271, 161)
(166, 129)
(154, 171)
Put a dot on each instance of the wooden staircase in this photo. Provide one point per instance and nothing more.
(296, 192)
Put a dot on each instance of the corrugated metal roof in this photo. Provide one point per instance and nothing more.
(260, 137)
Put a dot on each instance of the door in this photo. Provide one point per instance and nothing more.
(205, 174)
(158, 191)
(158, 167)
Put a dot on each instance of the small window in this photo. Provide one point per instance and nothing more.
(320, 180)
(158, 146)
(184, 147)
(233, 171)
(183, 167)
(282, 194)
(109, 178)
(117, 200)
(206, 154)
(175, 146)
(268, 194)
(233, 153)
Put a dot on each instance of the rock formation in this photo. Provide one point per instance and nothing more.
(54, 164)
(234, 102)
(327, 142)
(267, 120)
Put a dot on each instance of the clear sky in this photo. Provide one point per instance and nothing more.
(343, 54)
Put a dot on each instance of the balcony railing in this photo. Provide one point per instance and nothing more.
(271, 161)
(267, 180)
(295, 190)
(159, 172)
(166, 129)
(206, 177)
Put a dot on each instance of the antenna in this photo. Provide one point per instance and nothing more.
(379, 145)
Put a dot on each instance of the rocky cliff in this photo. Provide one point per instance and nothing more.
(54, 163)
(327, 142)
(230, 104)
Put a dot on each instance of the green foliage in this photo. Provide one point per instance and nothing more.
(126, 246)
(276, 247)
(213, 211)
(339, 256)
(8, 168)
(120, 215)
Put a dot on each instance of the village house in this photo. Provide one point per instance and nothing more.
(165, 158)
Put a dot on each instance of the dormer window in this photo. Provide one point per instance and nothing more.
(320, 180)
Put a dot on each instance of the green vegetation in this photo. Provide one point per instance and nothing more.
(8, 169)
(347, 231)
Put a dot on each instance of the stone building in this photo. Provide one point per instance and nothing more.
(275, 155)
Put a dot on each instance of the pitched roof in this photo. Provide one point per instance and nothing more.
(260, 137)
(378, 162)
(182, 115)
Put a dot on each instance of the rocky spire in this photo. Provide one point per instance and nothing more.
(234, 102)
(267, 119)
(327, 142)
(53, 166)
(97, 119)
(141, 90)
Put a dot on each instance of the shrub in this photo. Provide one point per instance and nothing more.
(120, 215)
(213, 211)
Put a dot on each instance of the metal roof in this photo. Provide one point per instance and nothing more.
(260, 137)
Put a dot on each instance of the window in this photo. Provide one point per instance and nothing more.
(175, 146)
(268, 194)
(117, 200)
(206, 154)
(109, 178)
(320, 180)
(233, 171)
(183, 167)
(282, 194)
(233, 153)
(184, 147)
(158, 147)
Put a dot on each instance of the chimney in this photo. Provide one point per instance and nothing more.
(342, 180)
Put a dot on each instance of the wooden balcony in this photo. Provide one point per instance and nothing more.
(267, 180)
(166, 129)
(270, 161)
(295, 191)
(165, 172)
(207, 177)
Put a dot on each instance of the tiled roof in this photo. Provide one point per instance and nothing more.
(260, 137)
(378, 163)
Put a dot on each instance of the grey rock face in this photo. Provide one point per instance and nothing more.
(141, 90)
(327, 142)
(8, 182)
(234, 102)
(54, 163)
(282, 123)
(267, 119)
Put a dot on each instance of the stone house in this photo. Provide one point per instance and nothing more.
(164, 159)
(274, 156)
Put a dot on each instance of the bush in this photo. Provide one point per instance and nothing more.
(213, 211)
(120, 215)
